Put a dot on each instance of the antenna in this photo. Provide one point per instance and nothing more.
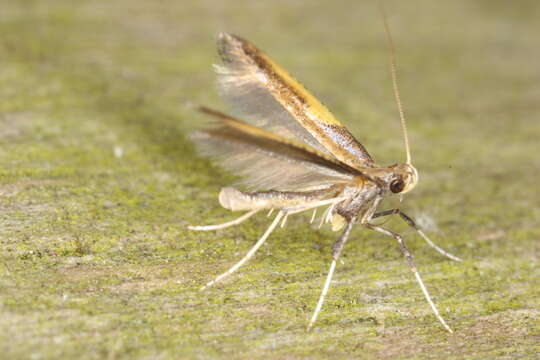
(394, 81)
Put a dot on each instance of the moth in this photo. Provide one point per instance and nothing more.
(295, 157)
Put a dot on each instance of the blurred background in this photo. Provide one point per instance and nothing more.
(98, 181)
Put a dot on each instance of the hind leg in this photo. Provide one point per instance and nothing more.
(250, 253)
(237, 221)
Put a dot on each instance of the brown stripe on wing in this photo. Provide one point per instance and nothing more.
(241, 133)
(303, 106)
(257, 132)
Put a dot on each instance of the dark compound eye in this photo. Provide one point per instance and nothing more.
(397, 186)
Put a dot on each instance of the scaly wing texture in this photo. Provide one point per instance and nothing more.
(270, 98)
(266, 160)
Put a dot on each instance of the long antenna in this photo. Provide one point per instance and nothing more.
(394, 81)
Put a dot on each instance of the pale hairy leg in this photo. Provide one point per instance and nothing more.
(236, 221)
(250, 253)
(338, 246)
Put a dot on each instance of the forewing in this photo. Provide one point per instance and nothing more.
(265, 160)
(270, 98)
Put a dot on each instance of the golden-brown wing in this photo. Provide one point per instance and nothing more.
(266, 160)
(270, 98)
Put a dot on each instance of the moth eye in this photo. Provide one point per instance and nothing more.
(397, 186)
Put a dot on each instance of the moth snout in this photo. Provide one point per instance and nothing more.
(406, 179)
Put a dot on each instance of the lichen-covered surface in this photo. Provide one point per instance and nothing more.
(98, 182)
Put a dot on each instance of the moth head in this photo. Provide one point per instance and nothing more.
(404, 180)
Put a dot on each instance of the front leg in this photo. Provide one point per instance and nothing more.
(412, 266)
(412, 224)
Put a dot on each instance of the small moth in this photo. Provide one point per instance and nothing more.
(296, 156)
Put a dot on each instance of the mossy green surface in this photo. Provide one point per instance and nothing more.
(98, 182)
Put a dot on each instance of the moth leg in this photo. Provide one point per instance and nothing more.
(313, 216)
(412, 224)
(329, 214)
(284, 220)
(250, 252)
(412, 266)
(336, 252)
(237, 221)
(326, 216)
(323, 217)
